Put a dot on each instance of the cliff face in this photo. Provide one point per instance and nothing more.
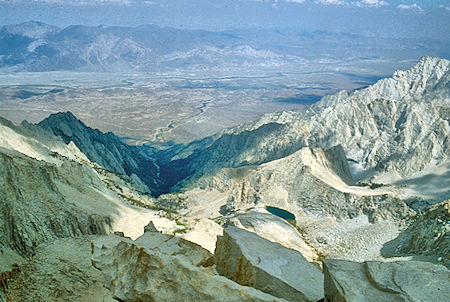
(397, 125)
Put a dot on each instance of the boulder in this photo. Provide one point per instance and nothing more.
(161, 267)
(204, 232)
(270, 267)
(406, 281)
(274, 228)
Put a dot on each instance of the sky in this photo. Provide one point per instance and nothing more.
(378, 18)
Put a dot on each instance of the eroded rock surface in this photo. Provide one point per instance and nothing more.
(160, 267)
(60, 271)
(33, 210)
(405, 281)
(251, 260)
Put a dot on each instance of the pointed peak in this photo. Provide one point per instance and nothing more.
(61, 118)
(68, 114)
(62, 115)
(429, 59)
(6, 122)
(427, 69)
(429, 62)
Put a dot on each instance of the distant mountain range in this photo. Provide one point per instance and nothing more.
(35, 46)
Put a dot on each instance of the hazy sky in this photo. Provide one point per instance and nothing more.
(430, 18)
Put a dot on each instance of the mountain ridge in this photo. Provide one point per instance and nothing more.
(35, 46)
(388, 138)
(106, 149)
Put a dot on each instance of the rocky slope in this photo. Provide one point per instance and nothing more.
(159, 267)
(333, 218)
(306, 182)
(61, 270)
(50, 192)
(33, 209)
(50, 189)
(429, 234)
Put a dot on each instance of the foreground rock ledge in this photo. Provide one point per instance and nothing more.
(251, 260)
(373, 281)
(160, 267)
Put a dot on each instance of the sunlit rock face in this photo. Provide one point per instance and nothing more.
(273, 228)
(253, 261)
(159, 267)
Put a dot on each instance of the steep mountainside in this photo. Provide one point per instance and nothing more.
(50, 189)
(106, 149)
(390, 130)
(33, 210)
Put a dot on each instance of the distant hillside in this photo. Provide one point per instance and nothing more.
(34, 46)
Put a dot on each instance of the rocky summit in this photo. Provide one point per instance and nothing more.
(160, 267)
(347, 200)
